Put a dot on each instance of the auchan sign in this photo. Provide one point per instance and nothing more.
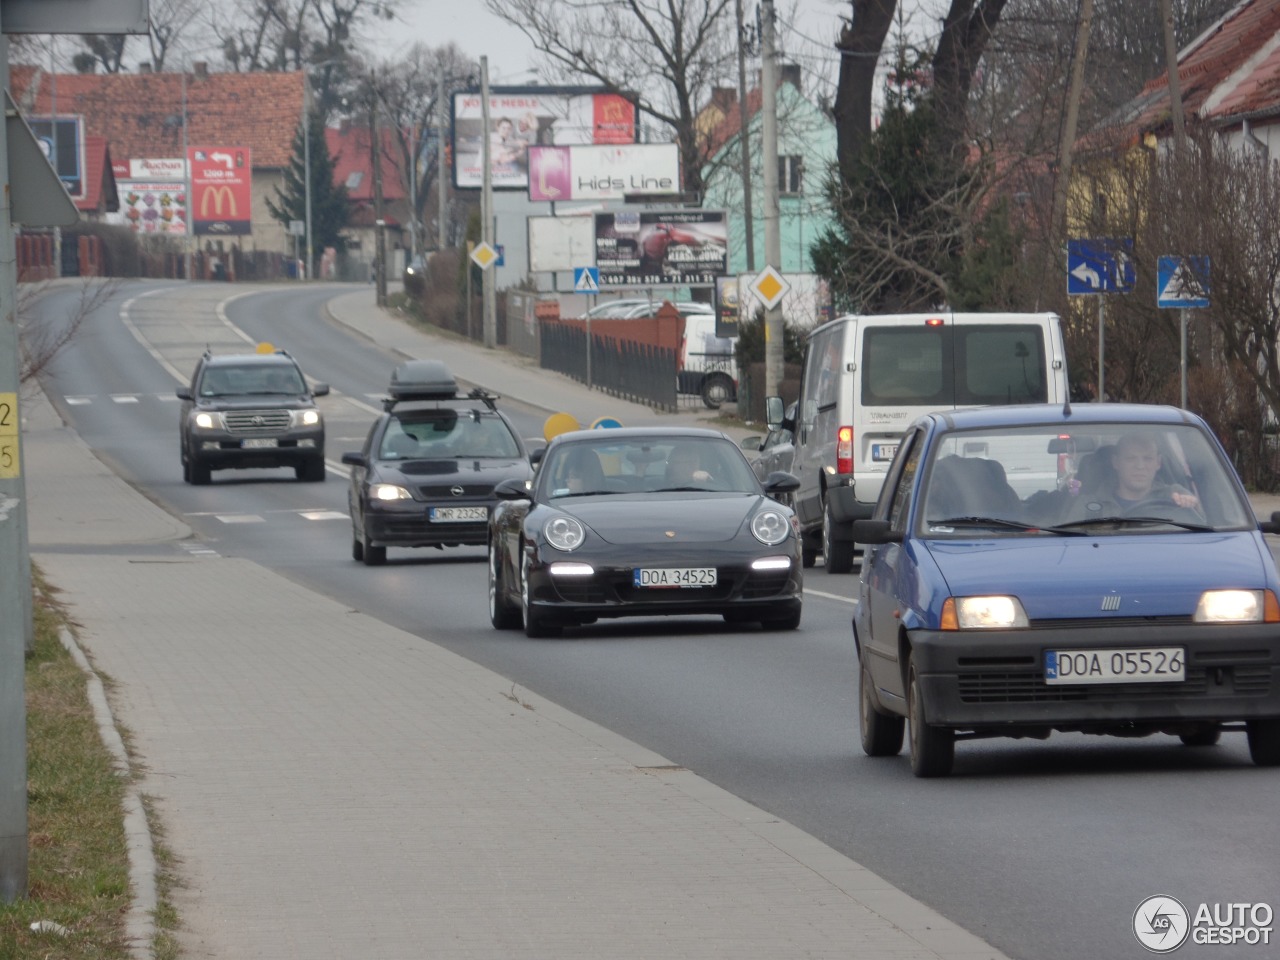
(220, 190)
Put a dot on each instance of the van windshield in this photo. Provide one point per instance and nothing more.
(951, 365)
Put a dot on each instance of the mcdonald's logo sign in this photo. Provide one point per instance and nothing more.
(218, 196)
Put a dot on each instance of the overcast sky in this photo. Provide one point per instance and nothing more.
(479, 33)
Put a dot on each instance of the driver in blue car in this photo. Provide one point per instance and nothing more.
(1135, 461)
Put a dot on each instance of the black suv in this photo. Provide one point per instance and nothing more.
(251, 410)
(426, 473)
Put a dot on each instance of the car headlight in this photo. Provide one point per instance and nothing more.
(1237, 606)
(206, 421)
(770, 527)
(309, 418)
(982, 613)
(389, 491)
(564, 533)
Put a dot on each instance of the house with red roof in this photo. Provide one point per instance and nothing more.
(353, 165)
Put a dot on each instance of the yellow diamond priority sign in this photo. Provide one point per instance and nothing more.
(770, 286)
(483, 255)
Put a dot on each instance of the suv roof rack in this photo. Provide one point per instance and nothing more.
(416, 380)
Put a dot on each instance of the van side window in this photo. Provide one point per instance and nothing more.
(822, 369)
(998, 365)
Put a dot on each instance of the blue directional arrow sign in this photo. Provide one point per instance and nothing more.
(1100, 265)
(1182, 282)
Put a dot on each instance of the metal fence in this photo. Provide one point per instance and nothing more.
(635, 371)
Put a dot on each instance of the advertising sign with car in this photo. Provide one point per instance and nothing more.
(220, 190)
(521, 117)
(654, 248)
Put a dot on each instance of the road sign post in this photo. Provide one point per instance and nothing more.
(1182, 283)
(1097, 266)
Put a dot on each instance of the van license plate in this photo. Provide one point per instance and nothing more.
(883, 452)
(458, 514)
(674, 577)
(1123, 665)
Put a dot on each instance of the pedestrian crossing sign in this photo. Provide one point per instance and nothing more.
(1182, 282)
(586, 279)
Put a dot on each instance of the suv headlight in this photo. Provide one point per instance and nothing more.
(207, 421)
(308, 418)
(770, 527)
(564, 533)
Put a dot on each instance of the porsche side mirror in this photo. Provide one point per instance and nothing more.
(513, 488)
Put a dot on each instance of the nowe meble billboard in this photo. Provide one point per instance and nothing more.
(607, 172)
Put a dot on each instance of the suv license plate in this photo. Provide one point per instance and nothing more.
(673, 577)
(258, 442)
(1120, 665)
(458, 514)
(881, 452)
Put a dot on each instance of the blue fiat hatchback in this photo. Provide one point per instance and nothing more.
(1095, 568)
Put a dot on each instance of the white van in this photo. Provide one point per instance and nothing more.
(865, 378)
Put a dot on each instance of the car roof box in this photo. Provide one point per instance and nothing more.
(422, 380)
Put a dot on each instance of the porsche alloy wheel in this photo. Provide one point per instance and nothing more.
(535, 624)
(502, 613)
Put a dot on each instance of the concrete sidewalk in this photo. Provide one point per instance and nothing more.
(336, 788)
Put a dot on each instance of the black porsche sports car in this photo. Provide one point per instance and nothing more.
(426, 474)
(640, 522)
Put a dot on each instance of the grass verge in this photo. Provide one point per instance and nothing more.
(77, 867)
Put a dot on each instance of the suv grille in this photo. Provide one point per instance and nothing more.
(256, 423)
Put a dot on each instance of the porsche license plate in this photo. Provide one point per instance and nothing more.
(458, 514)
(1122, 665)
(257, 442)
(674, 577)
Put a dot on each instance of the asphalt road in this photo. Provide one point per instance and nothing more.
(1045, 849)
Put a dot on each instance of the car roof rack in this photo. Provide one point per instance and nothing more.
(416, 380)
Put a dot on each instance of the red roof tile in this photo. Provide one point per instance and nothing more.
(140, 114)
(349, 147)
(99, 182)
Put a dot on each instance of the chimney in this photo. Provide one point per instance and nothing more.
(790, 73)
(144, 67)
(201, 68)
(724, 97)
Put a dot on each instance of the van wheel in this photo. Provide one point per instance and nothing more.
(837, 555)
(717, 388)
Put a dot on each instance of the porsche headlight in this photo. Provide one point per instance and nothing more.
(982, 613)
(1237, 606)
(309, 418)
(770, 527)
(389, 491)
(206, 421)
(564, 533)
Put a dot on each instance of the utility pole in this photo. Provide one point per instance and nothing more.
(1057, 225)
(1175, 83)
(440, 222)
(773, 356)
(15, 560)
(743, 125)
(379, 224)
(490, 319)
(306, 169)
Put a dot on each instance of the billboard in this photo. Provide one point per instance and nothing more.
(68, 135)
(152, 206)
(521, 117)
(561, 243)
(220, 190)
(603, 172)
(661, 248)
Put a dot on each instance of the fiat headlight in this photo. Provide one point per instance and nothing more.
(389, 491)
(564, 533)
(982, 613)
(206, 421)
(1234, 606)
(770, 527)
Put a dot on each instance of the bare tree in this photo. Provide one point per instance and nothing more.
(288, 34)
(39, 343)
(668, 54)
